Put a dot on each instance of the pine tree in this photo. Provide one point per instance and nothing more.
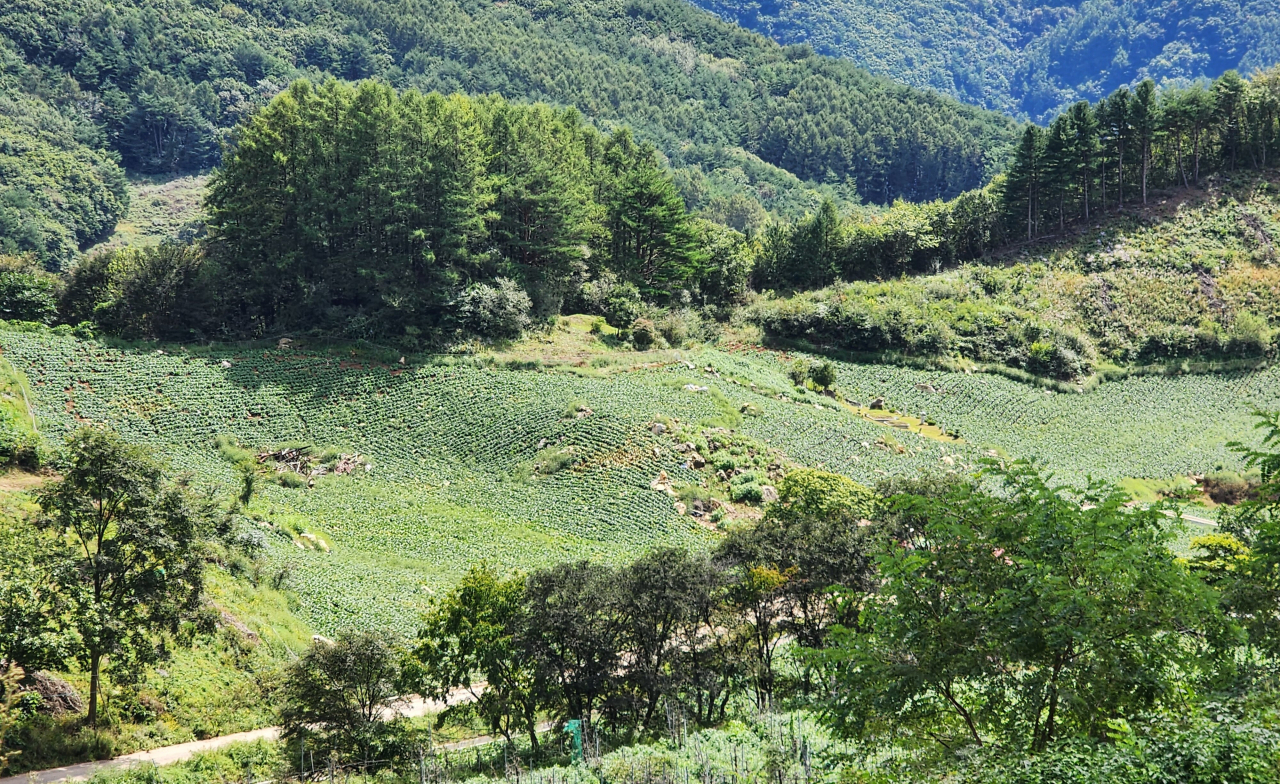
(1061, 163)
(1143, 118)
(1026, 178)
(1085, 124)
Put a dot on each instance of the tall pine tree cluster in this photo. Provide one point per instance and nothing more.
(371, 211)
(1103, 156)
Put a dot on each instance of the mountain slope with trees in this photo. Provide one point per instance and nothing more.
(1028, 58)
(752, 124)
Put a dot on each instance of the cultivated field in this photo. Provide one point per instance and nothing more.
(462, 460)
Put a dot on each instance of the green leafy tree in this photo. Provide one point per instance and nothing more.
(1117, 134)
(656, 595)
(27, 292)
(1144, 118)
(471, 640)
(1020, 617)
(818, 533)
(33, 633)
(343, 695)
(1026, 179)
(573, 635)
(136, 573)
(1251, 587)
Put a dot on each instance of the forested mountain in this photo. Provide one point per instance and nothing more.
(160, 83)
(1026, 57)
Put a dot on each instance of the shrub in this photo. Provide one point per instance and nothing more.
(824, 375)
(18, 445)
(498, 311)
(622, 305)
(643, 333)
(798, 372)
(1249, 336)
(27, 293)
(679, 326)
(160, 292)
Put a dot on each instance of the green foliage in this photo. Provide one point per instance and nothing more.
(701, 89)
(10, 678)
(340, 696)
(498, 311)
(162, 291)
(136, 570)
(60, 192)
(622, 305)
(490, 189)
(470, 639)
(20, 443)
(31, 636)
(27, 293)
(1025, 617)
(816, 536)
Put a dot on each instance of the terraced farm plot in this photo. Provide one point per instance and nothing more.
(1149, 427)
(451, 446)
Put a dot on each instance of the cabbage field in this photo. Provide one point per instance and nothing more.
(464, 460)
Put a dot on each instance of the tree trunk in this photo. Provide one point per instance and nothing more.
(1146, 162)
(531, 724)
(1120, 171)
(1104, 184)
(95, 685)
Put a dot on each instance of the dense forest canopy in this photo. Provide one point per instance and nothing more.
(754, 126)
(357, 205)
(1028, 58)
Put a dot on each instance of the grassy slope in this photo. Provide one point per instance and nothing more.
(1142, 285)
(451, 444)
(160, 209)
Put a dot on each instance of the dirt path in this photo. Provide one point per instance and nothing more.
(169, 755)
(20, 480)
(1193, 519)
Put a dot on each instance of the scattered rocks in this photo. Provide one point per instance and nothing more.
(680, 508)
(768, 494)
(877, 404)
(225, 364)
(697, 460)
(658, 428)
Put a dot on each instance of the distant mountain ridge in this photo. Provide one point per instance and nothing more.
(1028, 58)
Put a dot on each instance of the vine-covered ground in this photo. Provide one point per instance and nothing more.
(454, 451)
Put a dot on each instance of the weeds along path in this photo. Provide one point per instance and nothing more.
(171, 755)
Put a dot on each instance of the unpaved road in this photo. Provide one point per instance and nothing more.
(170, 755)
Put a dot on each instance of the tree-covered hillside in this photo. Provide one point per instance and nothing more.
(161, 83)
(1026, 57)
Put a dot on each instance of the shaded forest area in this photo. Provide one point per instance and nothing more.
(755, 128)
